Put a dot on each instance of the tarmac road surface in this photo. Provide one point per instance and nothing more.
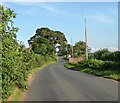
(57, 83)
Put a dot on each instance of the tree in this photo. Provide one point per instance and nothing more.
(80, 48)
(98, 54)
(39, 45)
(50, 38)
(69, 49)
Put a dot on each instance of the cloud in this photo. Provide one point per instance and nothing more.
(113, 48)
(38, 5)
(96, 49)
(100, 17)
(99, 48)
(49, 8)
(110, 49)
(29, 3)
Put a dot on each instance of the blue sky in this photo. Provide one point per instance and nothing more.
(69, 18)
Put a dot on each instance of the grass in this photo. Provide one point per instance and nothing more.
(111, 74)
(16, 95)
(17, 92)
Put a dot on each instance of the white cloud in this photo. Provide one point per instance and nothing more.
(30, 3)
(96, 49)
(110, 49)
(100, 17)
(37, 5)
(99, 48)
(113, 48)
(49, 8)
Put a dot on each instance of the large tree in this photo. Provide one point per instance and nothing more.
(50, 38)
(80, 48)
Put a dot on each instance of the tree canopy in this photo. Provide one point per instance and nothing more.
(79, 49)
(45, 41)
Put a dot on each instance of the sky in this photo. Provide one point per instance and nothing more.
(69, 18)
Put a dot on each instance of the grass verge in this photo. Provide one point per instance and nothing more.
(17, 92)
(111, 74)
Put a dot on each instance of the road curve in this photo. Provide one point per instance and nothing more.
(57, 83)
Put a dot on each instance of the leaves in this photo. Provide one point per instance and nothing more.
(50, 38)
(17, 62)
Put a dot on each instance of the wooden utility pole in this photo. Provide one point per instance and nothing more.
(86, 40)
(66, 49)
(72, 46)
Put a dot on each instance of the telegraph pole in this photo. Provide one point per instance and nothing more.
(72, 46)
(86, 40)
(66, 49)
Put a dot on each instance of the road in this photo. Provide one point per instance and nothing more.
(57, 83)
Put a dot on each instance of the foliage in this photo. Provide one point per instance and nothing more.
(90, 55)
(108, 69)
(8, 51)
(69, 49)
(91, 63)
(39, 48)
(106, 55)
(98, 64)
(65, 58)
(102, 63)
(52, 40)
(80, 49)
(100, 52)
(111, 56)
(17, 62)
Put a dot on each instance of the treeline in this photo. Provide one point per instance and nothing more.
(17, 61)
(79, 50)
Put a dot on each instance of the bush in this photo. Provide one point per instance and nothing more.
(16, 66)
(91, 63)
(17, 62)
(106, 56)
(91, 55)
(111, 56)
(100, 52)
(99, 64)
